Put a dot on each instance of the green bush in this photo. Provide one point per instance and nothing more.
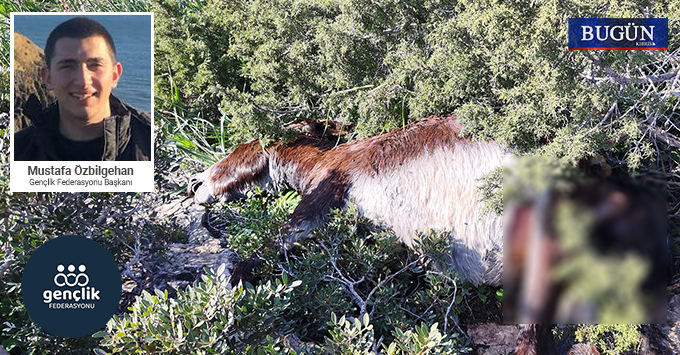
(357, 338)
(352, 268)
(212, 318)
(504, 69)
(612, 339)
(118, 221)
(425, 340)
(250, 224)
(208, 318)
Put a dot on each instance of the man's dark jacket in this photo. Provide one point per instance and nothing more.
(127, 133)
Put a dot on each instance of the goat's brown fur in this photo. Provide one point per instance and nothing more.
(413, 179)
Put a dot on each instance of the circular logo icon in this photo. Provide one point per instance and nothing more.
(71, 286)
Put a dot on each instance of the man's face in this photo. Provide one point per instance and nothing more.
(82, 74)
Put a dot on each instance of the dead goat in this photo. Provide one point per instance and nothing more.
(419, 178)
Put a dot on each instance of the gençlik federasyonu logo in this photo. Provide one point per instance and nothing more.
(618, 33)
(71, 286)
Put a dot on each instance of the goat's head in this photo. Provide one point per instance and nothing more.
(231, 177)
(247, 166)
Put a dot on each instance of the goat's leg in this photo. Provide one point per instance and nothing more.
(329, 193)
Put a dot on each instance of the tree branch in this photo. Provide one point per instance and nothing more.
(615, 77)
(659, 134)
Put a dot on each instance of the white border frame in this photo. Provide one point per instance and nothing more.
(141, 181)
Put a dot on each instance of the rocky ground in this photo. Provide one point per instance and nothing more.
(28, 59)
(175, 266)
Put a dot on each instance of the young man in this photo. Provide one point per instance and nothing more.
(86, 122)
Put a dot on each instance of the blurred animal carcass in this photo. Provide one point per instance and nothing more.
(582, 249)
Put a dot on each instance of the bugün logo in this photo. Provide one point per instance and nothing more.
(618, 33)
(629, 32)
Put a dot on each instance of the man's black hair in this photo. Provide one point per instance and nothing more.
(77, 27)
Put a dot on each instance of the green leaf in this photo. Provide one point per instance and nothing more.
(100, 334)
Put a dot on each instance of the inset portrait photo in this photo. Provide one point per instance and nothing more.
(82, 88)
